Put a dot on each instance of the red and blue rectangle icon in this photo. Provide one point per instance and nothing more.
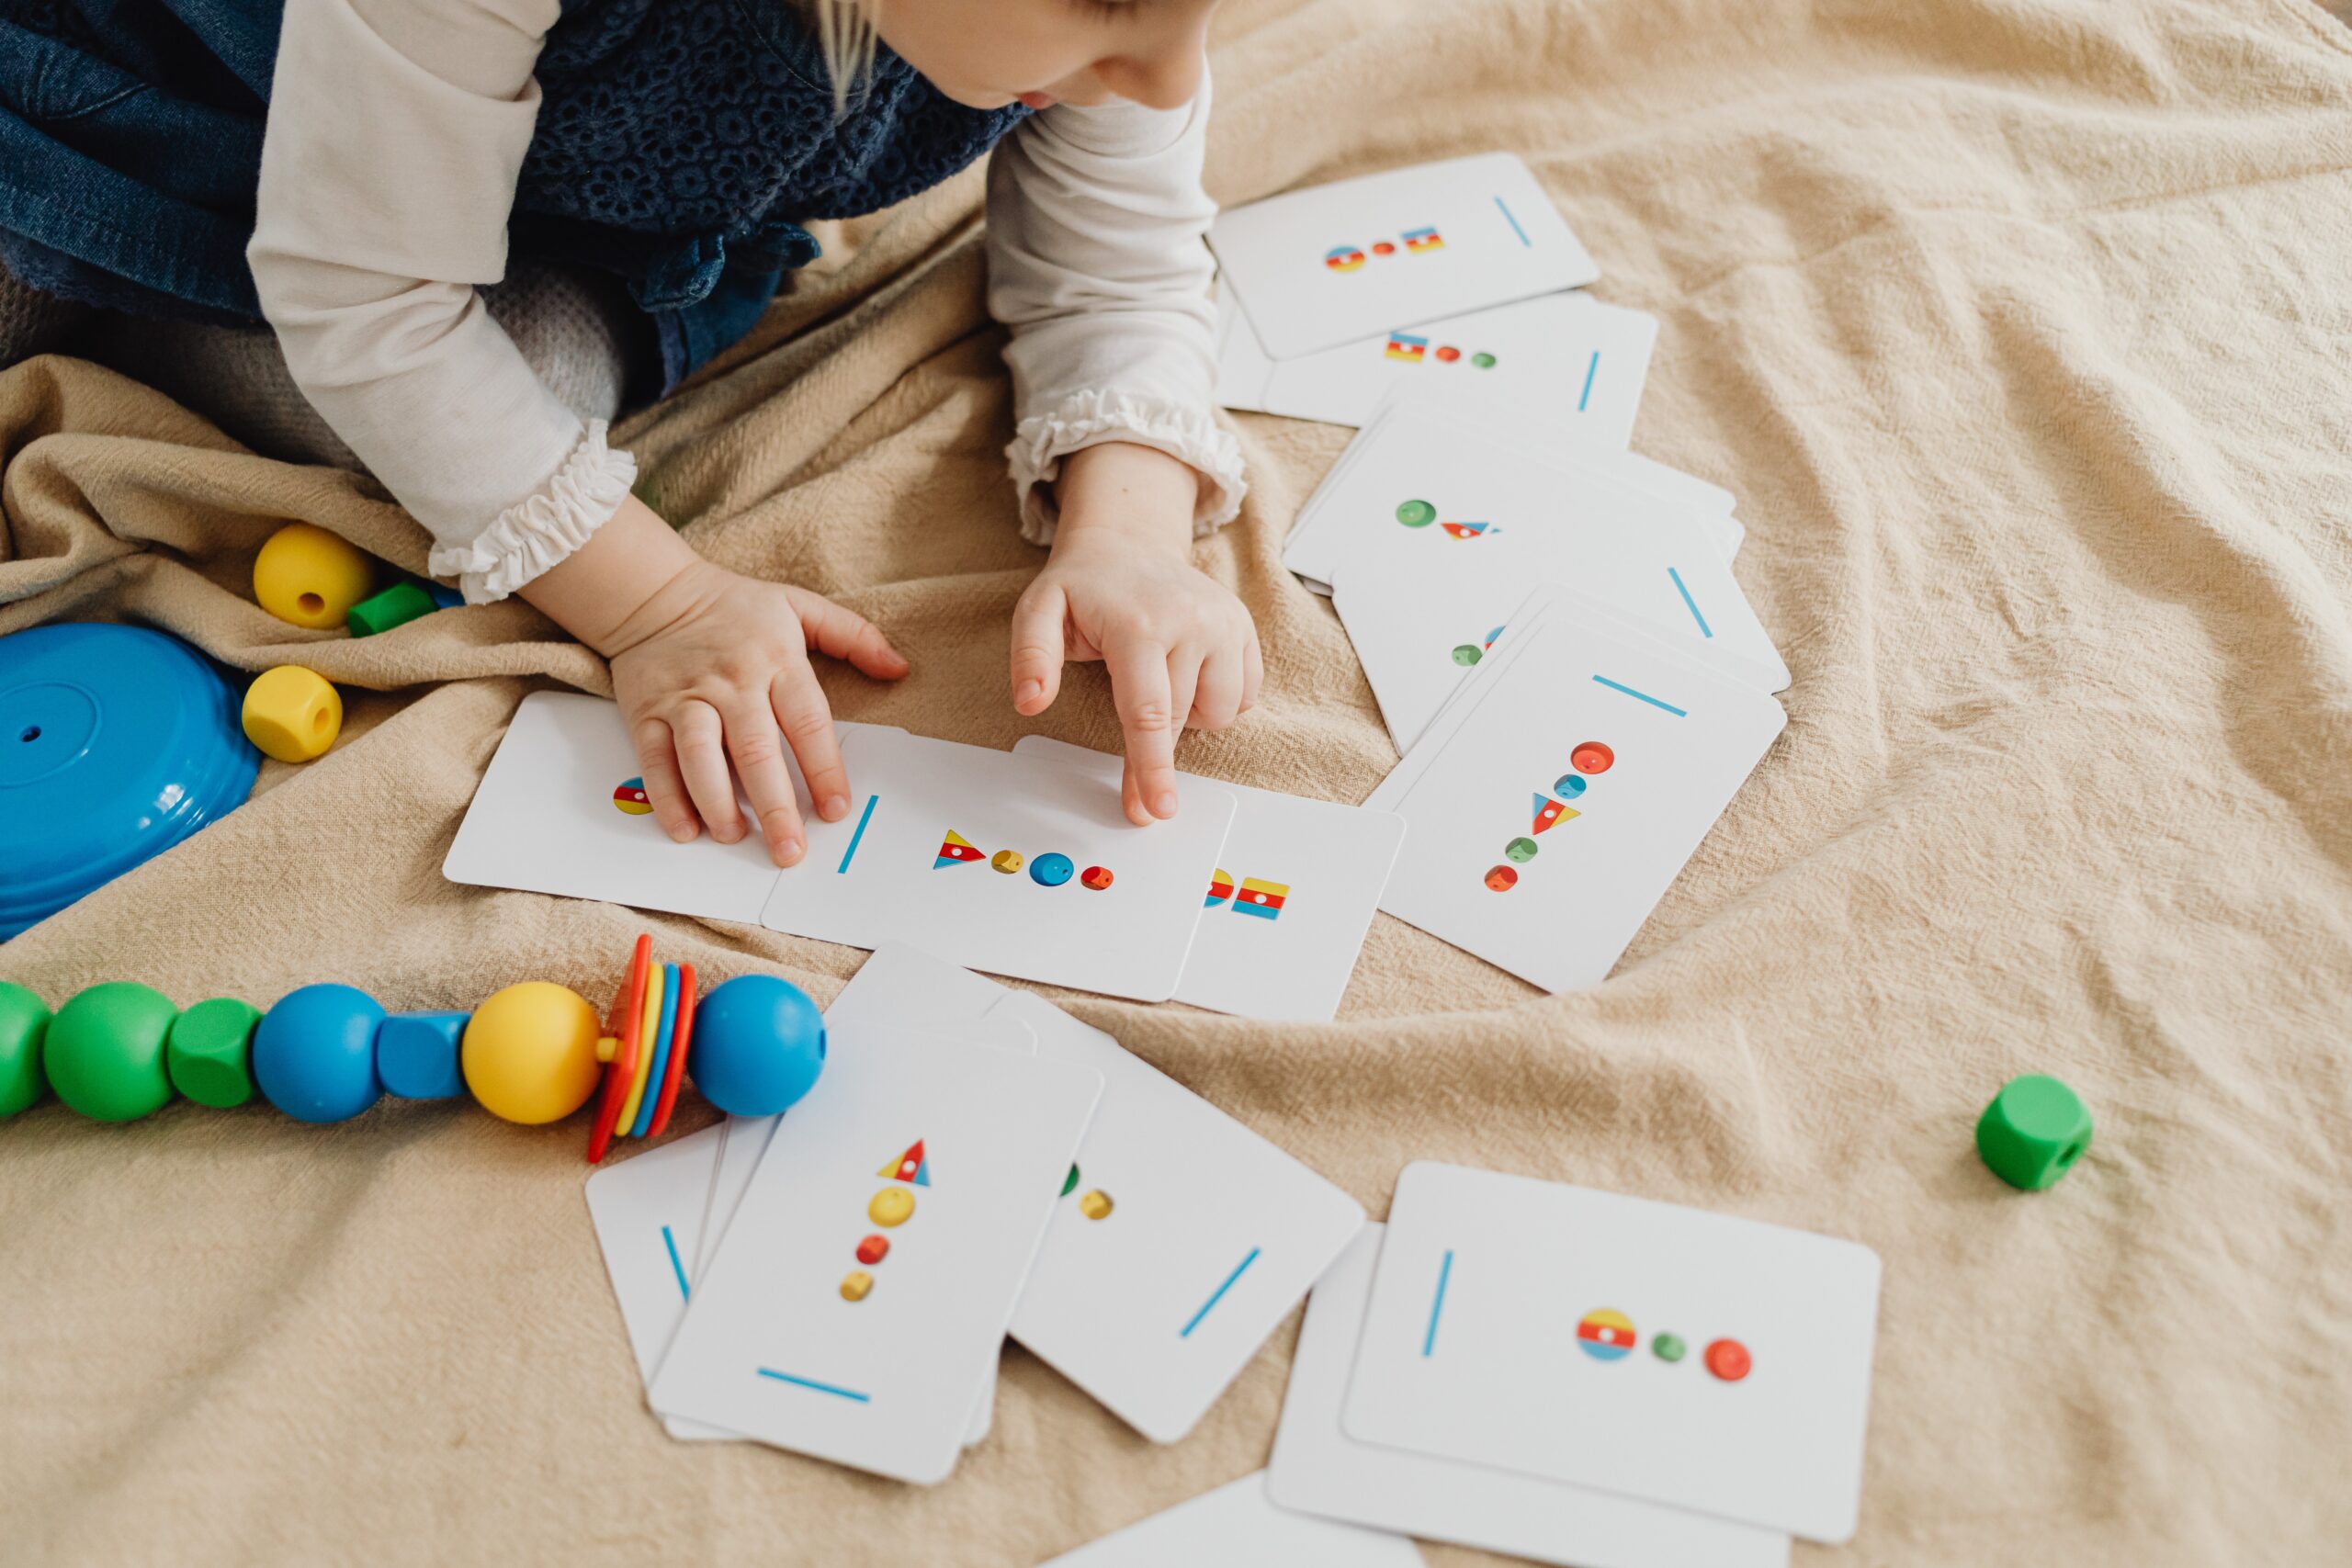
(1255, 896)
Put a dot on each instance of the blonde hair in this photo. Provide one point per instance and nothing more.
(846, 37)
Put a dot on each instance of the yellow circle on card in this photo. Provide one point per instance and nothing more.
(855, 1284)
(891, 1206)
(1095, 1205)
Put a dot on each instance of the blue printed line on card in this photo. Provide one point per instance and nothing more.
(1218, 1294)
(1645, 696)
(1590, 370)
(1437, 1306)
(1689, 603)
(857, 838)
(820, 1387)
(1514, 224)
(675, 1267)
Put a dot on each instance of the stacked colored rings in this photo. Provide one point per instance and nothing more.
(644, 1051)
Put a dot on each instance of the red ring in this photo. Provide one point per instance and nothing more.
(623, 1067)
(680, 1033)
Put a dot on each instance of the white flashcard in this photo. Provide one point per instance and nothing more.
(1318, 1469)
(1429, 488)
(1180, 1241)
(1693, 1358)
(1236, 1526)
(1285, 914)
(879, 996)
(1564, 360)
(1181, 1238)
(562, 809)
(1018, 865)
(648, 1213)
(1549, 819)
(856, 1308)
(1319, 267)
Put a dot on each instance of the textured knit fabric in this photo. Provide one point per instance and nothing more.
(681, 144)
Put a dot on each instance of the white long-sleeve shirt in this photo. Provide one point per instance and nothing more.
(396, 135)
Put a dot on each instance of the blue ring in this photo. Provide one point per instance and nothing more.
(655, 1074)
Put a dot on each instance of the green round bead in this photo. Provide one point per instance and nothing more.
(24, 1020)
(105, 1054)
(209, 1051)
(1669, 1348)
(2033, 1132)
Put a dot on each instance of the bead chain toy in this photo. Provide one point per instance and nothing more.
(532, 1054)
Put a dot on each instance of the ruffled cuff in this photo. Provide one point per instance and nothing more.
(545, 526)
(1186, 432)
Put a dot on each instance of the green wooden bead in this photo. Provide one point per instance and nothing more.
(396, 607)
(104, 1053)
(2033, 1132)
(209, 1051)
(24, 1020)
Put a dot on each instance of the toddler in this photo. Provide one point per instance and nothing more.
(636, 173)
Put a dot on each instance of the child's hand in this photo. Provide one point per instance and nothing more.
(707, 665)
(1120, 587)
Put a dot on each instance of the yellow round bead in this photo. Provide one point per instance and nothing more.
(292, 714)
(530, 1053)
(309, 577)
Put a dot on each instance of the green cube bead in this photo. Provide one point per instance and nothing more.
(396, 607)
(2033, 1132)
(209, 1051)
(24, 1021)
(105, 1052)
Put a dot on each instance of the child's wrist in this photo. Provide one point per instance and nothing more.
(611, 592)
(1137, 493)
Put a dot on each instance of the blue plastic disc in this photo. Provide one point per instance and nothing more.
(116, 742)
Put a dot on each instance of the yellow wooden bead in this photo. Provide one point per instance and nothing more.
(292, 714)
(529, 1055)
(309, 577)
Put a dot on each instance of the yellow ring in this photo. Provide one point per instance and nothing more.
(646, 1030)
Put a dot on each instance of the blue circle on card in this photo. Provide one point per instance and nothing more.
(1051, 870)
(1567, 786)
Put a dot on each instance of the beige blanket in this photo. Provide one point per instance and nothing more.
(2023, 328)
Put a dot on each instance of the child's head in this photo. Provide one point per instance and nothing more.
(988, 53)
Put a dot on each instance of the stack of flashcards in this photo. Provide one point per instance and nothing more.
(1561, 654)
(1582, 1377)
(1454, 276)
(1020, 863)
(973, 1162)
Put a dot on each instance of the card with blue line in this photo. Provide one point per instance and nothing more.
(1655, 1354)
(1552, 803)
(561, 809)
(1358, 258)
(1018, 865)
(854, 1309)
(1180, 1240)
(1566, 360)
(1430, 498)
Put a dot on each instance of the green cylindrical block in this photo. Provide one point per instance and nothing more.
(209, 1051)
(24, 1021)
(105, 1052)
(2033, 1132)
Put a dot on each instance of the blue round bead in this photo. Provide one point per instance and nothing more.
(314, 1053)
(758, 1045)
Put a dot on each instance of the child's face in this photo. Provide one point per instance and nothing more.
(987, 54)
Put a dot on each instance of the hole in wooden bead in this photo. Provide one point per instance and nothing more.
(312, 603)
(31, 732)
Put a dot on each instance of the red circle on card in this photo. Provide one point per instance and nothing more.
(1728, 1359)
